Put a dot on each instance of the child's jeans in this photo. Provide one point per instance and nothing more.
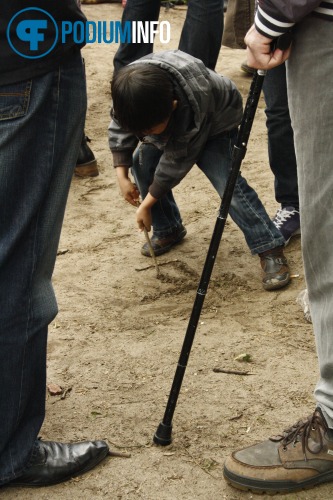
(215, 161)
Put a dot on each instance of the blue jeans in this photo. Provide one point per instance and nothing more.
(201, 35)
(215, 162)
(41, 124)
(311, 111)
(281, 150)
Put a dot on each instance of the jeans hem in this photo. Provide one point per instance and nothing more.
(16, 475)
(165, 233)
(268, 246)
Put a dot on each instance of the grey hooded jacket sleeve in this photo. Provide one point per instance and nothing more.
(208, 105)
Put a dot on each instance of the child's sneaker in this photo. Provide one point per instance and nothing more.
(287, 222)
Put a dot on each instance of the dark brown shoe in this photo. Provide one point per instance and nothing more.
(163, 245)
(275, 269)
(300, 458)
(86, 164)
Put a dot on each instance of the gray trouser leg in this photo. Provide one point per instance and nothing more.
(310, 90)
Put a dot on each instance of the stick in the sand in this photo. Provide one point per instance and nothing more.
(150, 246)
(151, 250)
(231, 372)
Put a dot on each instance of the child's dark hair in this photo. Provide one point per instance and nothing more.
(142, 96)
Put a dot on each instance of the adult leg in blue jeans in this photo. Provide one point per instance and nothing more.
(201, 35)
(136, 10)
(40, 132)
(281, 152)
(202, 32)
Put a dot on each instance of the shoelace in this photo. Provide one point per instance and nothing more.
(282, 215)
(301, 432)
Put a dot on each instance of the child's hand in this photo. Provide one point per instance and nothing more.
(143, 218)
(128, 189)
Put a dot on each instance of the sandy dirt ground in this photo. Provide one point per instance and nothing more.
(115, 343)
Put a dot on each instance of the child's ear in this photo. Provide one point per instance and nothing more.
(174, 104)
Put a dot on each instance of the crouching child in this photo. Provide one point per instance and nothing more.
(170, 113)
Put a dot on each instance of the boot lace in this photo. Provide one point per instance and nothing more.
(300, 432)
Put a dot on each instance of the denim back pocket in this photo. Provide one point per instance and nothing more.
(14, 99)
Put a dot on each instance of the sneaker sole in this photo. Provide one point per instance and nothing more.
(296, 233)
(276, 285)
(274, 487)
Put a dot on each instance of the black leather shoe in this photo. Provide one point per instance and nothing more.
(163, 245)
(54, 463)
(86, 164)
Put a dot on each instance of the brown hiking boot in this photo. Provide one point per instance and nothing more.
(300, 458)
(163, 245)
(275, 269)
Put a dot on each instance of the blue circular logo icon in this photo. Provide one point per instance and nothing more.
(32, 35)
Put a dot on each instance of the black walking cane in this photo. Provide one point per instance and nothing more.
(164, 430)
